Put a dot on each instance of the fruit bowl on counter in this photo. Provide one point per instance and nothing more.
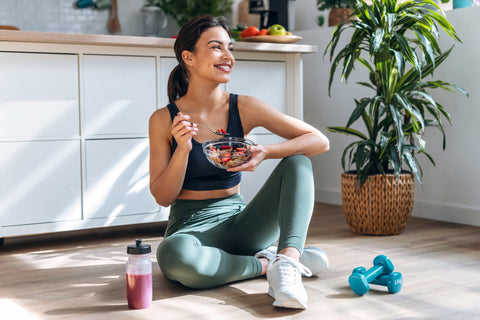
(273, 39)
(274, 34)
(227, 152)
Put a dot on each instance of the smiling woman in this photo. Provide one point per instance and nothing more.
(213, 237)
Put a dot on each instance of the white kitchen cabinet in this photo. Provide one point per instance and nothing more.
(265, 80)
(117, 180)
(38, 95)
(166, 66)
(119, 94)
(74, 113)
(40, 182)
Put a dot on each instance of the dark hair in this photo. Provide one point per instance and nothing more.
(186, 40)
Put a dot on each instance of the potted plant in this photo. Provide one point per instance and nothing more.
(340, 11)
(154, 18)
(183, 10)
(397, 43)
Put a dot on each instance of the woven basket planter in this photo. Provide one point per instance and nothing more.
(338, 15)
(381, 206)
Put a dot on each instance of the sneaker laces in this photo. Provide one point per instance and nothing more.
(291, 270)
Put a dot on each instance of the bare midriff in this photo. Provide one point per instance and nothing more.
(207, 194)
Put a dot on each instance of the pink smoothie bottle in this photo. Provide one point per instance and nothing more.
(139, 275)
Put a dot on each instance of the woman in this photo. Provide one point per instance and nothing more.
(213, 237)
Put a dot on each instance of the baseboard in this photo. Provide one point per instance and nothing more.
(328, 196)
(447, 212)
(422, 209)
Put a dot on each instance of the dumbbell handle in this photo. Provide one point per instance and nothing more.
(373, 273)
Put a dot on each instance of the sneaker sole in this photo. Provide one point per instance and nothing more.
(289, 303)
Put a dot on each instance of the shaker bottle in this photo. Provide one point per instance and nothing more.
(139, 275)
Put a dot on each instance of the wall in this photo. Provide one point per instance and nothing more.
(450, 191)
(64, 16)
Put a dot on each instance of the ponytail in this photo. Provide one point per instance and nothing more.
(177, 83)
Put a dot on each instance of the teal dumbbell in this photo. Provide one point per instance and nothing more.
(392, 281)
(361, 278)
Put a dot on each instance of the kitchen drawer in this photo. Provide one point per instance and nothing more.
(119, 94)
(38, 95)
(40, 182)
(265, 80)
(166, 66)
(117, 178)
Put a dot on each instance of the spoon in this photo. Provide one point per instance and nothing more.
(214, 131)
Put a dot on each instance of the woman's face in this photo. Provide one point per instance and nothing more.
(212, 58)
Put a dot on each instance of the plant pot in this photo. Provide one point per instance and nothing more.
(154, 19)
(381, 206)
(339, 15)
(457, 4)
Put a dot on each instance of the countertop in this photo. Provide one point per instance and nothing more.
(136, 41)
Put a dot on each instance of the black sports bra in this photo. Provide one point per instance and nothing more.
(201, 174)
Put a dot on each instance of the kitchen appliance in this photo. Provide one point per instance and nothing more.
(274, 12)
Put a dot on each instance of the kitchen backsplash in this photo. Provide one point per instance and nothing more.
(64, 16)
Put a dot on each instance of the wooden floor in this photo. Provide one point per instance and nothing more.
(78, 276)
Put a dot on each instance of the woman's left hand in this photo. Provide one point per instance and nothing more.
(258, 155)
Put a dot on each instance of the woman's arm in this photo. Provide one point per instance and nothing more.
(167, 171)
(301, 138)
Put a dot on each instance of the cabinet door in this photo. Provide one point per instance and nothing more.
(265, 80)
(117, 179)
(40, 182)
(38, 95)
(166, 66)
(119, 93)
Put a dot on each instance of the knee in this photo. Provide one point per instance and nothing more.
(178, 256)
(174, 253)
(298, 161)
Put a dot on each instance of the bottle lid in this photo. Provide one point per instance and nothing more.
(138, 248)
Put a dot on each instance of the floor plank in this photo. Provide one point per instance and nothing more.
(81, 275)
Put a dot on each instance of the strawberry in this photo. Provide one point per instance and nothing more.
(226, 157)
(241, 151)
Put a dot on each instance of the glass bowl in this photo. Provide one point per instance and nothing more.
(227, 152)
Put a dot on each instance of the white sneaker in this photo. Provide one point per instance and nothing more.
(313, 258)
(270, 253)
(285, 285)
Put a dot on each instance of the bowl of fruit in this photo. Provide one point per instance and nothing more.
(227, 152)
(275, 34)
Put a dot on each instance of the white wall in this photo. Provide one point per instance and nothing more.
(64, 16)
(451, 191)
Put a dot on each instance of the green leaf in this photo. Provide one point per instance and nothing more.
(348, 131)
(397, 120)
(359, 110)
(376, 40)
(444, 24)
(412, 163)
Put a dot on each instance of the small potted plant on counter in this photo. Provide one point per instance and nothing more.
(183, 11)
(397, 42)
(340, 10)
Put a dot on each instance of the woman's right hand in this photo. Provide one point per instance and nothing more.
(183, 130)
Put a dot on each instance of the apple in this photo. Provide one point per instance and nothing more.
(277, 30)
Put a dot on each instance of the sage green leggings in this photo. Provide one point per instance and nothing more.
(211, 242)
